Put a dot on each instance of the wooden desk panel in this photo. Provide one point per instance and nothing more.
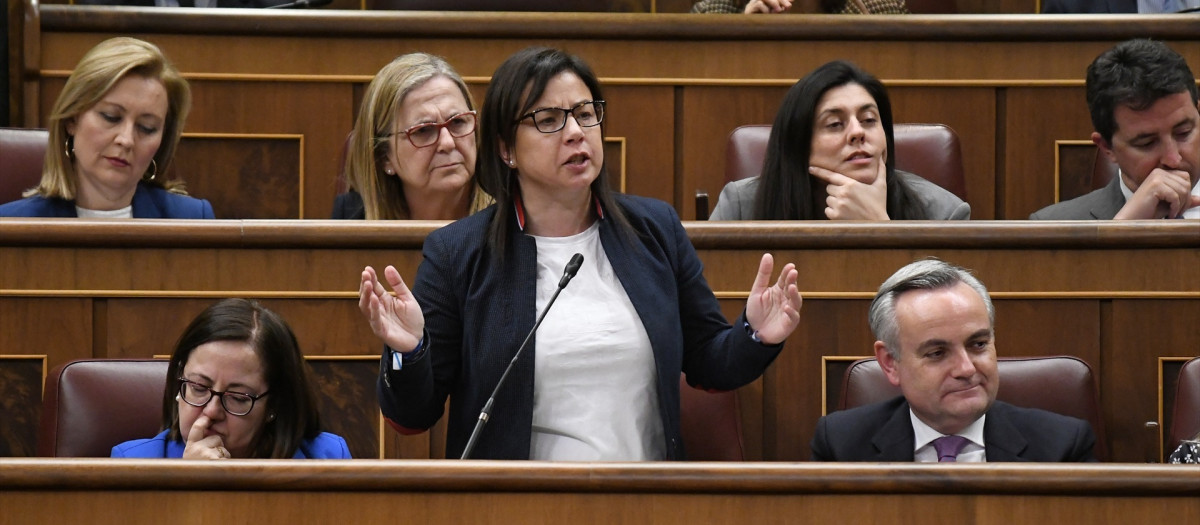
(1010, 85)
(116, 491)
(1118, 295)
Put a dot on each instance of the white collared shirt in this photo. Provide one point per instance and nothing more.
(923, 451)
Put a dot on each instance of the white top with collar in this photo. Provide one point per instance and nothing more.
(923, 451)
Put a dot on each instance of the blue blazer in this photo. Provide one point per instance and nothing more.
(324, 446)
(149, 202)
(478, 310)
(883, 432)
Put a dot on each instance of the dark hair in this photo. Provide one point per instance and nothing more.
(516, 85)
(293, 400)
(1135, 73)
(786, 191)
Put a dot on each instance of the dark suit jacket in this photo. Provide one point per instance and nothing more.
(1101, 204)
(186, 3)
(1089, 6)
(149, 202)
(349, 205)
(478, 310)
(883, 432)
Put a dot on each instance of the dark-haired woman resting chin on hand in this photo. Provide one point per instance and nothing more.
(831, 155)
(238, 387)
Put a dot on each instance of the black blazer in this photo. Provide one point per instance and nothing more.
(1089, 6)
(883, 432)
(349, 205)
(477, 312)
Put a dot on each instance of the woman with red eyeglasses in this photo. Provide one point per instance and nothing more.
(412, 154)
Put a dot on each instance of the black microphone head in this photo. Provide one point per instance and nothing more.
(571, 269)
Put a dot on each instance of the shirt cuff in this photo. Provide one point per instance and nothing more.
(400, 359)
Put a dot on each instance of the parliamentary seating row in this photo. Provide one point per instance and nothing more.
(1011, 87)
(91, 405)
(93, 289)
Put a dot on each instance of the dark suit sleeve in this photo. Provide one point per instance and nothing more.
(1084, 442)
(716, 355)
(414, 397)
(820, 442)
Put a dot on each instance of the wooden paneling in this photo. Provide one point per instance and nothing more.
(116, 491)
(21, 403)
(126, 289)
(243, 176)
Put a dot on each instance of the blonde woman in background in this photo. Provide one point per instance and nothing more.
(412, 154)
(113, 132)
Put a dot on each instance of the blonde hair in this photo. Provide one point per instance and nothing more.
(383, 195)
(95, 74)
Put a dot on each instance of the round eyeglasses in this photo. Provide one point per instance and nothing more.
(198, 395)
(425, 135)
(551, 120)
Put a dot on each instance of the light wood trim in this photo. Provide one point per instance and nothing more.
(616, 26)
(52, 474)
(825, 360)
(758, 235)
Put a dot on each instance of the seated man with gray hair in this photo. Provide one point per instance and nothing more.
(936, 341)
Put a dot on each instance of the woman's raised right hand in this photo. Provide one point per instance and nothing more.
(396, 319)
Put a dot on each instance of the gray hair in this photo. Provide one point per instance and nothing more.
(928, 274)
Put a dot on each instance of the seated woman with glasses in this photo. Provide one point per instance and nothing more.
(831, 155)
(113, 133)
(600, 381)
(412, 153)
(238, 387)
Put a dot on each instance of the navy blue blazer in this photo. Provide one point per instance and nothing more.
(324, 446)
(883, 432)
(478, 310)
(1089, 6)
(149, 202)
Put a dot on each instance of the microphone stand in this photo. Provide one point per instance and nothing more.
(568, 274)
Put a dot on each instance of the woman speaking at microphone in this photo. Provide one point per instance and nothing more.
(599, 381)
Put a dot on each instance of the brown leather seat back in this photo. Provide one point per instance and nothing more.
(710, 423)
(1185, 420)
(929, 150)
(1060, 384)
(22, 152)
(92, 405)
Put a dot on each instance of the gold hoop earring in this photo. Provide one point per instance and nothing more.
(154, 170)
(69, 148)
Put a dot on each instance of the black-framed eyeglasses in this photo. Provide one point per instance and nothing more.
(198, 395)
(425, 135)
(551, 120)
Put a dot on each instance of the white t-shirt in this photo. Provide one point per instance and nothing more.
(595, 395)
(123, 213)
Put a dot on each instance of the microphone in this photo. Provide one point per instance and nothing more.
(300, 4)
(568, 274)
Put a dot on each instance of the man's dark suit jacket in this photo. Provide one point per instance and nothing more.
(883, 432)
(149, 202)
(1089, 6)
(186, 3)
(478, 310)
(1102, 204)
